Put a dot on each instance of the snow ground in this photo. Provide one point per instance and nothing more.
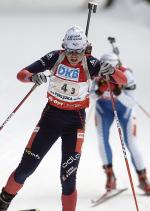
(25, 38)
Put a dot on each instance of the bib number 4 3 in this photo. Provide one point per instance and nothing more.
(65, 89)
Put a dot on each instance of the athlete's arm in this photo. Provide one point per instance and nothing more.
(46, 62)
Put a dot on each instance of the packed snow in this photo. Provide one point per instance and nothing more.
(24, 38)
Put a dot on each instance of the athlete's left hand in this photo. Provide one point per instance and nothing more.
(106, 68)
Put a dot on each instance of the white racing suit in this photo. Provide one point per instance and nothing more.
(104, 115)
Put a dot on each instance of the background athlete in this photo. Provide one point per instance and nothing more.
(124, 96)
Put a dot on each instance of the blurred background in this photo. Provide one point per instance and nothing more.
(28, 30)
(50, 5)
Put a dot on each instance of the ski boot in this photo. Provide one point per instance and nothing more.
(5, 199)
(111, 179)
(144, 183)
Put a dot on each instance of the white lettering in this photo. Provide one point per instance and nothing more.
(71, 160)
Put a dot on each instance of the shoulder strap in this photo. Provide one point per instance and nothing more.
(59, 60)
(85, 67)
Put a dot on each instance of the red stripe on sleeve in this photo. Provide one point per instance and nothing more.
(24, 75)
(119, 77)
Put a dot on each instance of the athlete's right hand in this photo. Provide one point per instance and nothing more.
(38, 78)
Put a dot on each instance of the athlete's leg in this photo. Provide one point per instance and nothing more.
(104, 118)
(43, 137)
(72, 141)
(128, 123)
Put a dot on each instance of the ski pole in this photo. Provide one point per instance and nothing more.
(143, 109)
(17, 107)
(116, 51)
(122, 143)
(92, 7)
(112, 40)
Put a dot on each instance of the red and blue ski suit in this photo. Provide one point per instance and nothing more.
(63, 116)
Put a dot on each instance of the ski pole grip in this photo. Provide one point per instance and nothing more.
(111, 40)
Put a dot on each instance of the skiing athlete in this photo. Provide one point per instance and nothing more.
(124, 98)
(71, 70)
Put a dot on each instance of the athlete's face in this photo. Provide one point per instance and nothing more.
(74, 56)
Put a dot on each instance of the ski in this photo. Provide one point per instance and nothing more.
(29, 210)
(107, 195)
(143, 194)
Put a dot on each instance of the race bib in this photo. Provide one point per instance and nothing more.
(65, 87)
